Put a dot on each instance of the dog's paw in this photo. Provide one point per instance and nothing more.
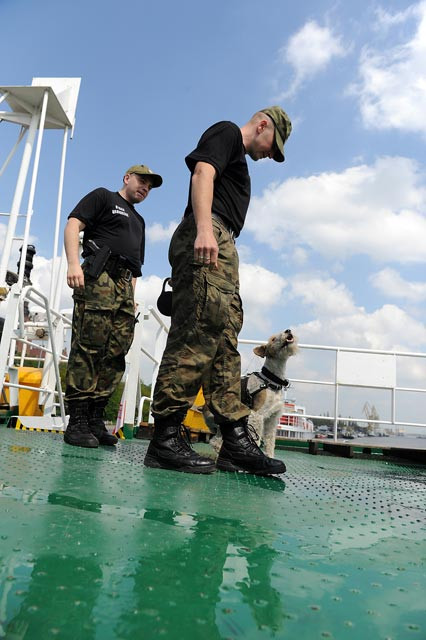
(216, 443)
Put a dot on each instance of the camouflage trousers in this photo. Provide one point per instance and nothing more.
(102, 332)
(207, 317)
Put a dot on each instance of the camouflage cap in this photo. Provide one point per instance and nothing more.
(143, 170)
(282, 125)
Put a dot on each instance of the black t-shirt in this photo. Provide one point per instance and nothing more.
(222, 147)
(112, 221)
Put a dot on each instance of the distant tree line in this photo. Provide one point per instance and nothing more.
(345, 425)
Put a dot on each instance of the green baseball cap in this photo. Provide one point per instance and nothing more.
(143, 170)
(282, 125)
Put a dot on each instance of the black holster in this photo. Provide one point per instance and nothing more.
(95, 262)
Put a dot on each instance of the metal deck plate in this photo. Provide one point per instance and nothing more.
(93, 545)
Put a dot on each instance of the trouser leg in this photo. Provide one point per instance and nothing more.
(201, 313)
(223, 385)
(102, 332)
(206, 319)
(113, 363)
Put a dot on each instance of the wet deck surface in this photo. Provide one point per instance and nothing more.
(95, 546)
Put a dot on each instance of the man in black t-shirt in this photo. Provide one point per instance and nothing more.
(202, 345)
(103, 318)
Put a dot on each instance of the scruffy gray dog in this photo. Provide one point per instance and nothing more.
(262, 390)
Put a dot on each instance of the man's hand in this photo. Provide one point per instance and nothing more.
(75, 277)
(206, 249)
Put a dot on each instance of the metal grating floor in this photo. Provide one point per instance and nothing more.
(95, 546)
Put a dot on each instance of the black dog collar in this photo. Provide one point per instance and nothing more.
(273, 381)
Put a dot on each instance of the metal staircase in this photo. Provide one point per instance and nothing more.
(49, 103)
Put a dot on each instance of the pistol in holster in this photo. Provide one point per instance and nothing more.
(96, 261)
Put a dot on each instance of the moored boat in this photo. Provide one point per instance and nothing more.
(293, 423)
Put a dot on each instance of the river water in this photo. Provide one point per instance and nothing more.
(410, 442)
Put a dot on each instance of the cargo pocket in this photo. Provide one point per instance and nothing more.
(98, 296)
(237, 315)
(218, 299)
(124, 329)
(95, 327)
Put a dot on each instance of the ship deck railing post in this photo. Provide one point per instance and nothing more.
(18, 195)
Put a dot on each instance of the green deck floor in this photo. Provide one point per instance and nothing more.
(95, 546)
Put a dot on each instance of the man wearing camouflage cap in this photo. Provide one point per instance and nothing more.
(104, 311)
(207, 314)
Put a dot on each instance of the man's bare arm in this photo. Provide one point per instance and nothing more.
(206, 249)
(75, 276)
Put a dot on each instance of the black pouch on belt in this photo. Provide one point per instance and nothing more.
(164, 302)
(96, 261)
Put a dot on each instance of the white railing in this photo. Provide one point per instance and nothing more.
(139, 354)
(368, 369)
(353, 368)
(50, 386)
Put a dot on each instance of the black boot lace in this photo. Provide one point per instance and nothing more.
(78, 420)
(252, 437)
(183, 439)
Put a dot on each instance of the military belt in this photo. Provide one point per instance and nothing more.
(116, 269)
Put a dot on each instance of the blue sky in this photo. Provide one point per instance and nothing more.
(335, 239)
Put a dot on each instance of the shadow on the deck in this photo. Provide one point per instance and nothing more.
(93, 545)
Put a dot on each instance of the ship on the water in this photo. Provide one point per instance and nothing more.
(293, 424)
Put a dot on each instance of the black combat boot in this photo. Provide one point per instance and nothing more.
(170, 449)
(239, 452)
(97, 423)
(78, 432)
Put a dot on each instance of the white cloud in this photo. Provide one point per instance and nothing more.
(41, 276)
(148, 289)
(300, 257)
(261, 290)
(157, 233)
(245, 252)
(323, 295)
(390, 283)
(392, 87)
(376, 210)
(385, 19)
(309, 51)
(338, 321)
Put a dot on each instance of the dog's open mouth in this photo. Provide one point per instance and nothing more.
(289, 337)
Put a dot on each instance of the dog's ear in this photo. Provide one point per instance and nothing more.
(260, 350)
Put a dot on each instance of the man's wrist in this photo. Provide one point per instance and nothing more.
(204, 222)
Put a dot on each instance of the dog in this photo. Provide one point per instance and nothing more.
(262, 391)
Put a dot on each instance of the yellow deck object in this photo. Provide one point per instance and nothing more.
(28, 400)
(194, 419)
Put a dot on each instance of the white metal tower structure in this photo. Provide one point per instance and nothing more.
(49, 103)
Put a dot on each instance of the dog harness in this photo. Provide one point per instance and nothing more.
(254, 382)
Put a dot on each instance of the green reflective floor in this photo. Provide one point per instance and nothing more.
(93, 545)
